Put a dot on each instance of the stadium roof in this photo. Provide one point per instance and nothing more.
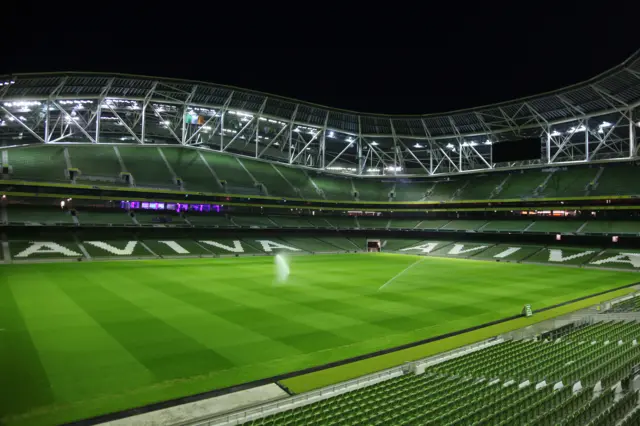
(616, 89)
(588, 121)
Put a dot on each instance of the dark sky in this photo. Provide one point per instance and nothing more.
(407, 61)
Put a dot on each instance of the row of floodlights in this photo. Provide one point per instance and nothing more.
(342, 169)
(572, 130)
(7, 83)
(388, 168)
(451, 146)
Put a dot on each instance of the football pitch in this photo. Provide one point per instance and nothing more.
(82, 339)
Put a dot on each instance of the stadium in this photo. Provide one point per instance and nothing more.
(184, 253)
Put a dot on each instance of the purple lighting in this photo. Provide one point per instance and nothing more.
(179, 207)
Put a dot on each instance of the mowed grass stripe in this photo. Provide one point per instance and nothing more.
(542, 286)
(64, 334)
(331, 289)
(450, 299)
(354, 307)
(312, 280)
(317, 289)
(194, 313)
(162, 349)
(306, 330)
(24, 381)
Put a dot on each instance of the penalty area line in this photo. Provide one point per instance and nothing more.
(401, 272)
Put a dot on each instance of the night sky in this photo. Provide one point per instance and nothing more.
(414, 62)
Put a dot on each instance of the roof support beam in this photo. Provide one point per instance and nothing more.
(47, 118)
(239, 133)
(124, 124)
(431, 144)
(143, 115)
(304, 148)
(323, 142)
(489, 166)
(450, 160)
(460, 140)
(565, 140)
(291, 130)
(72, 121)
(273, 139)
(255, 128)
(633, 152)
(377, 153)
(27, 128)
(395, 146)
(362, 163)
(183, 139)
(103, 95)
(58, 88)
(420, 163)
(603, 140)
(219, 115)
(349, 145)
(168, 127)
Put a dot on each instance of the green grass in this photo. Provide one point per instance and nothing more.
(84, 339)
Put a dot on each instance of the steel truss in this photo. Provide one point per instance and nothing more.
(597, 120)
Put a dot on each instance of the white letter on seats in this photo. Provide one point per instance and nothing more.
(458, 249)
(555, 255)
(126, 251)
(46, 247)
(237, 246)
(424, 248)
(631, 258)
(268, 246)
(175, 247)
(507, 252)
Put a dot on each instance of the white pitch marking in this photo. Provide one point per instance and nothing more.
(401, 272)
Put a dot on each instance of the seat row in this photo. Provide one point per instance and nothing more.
(513, 383)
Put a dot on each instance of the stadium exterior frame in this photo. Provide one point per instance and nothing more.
(596, 120)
